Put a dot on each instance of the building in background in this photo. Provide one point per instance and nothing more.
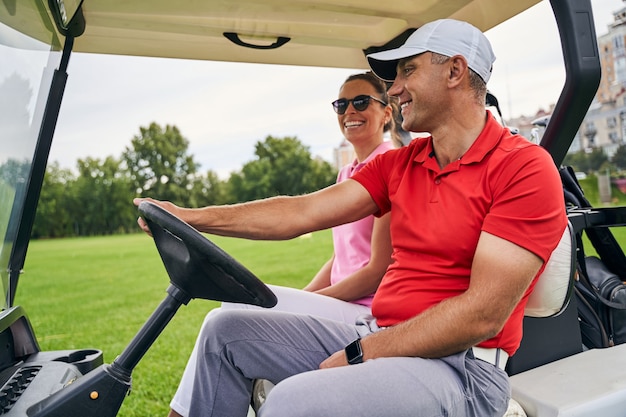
(604, 125)
(344, 154)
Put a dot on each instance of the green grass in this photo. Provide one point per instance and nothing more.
(618, 232)
(97, 292)
(7, 195)
(590, 188)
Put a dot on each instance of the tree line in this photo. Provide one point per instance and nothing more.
(595, 160)
(97, 198)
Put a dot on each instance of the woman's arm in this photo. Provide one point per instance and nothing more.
(365, 281)
(322, 278)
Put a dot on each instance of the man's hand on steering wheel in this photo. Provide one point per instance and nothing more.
(171, 207)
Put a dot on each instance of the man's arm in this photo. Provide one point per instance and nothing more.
(501, 273)
(278, 218)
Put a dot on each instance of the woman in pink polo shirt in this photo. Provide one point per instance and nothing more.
(362, 249)
(344, 286)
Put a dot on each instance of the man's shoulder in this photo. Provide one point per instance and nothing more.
(518, 146)
(514, 141)
(517, 157)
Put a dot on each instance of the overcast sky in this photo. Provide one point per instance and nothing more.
(223, 109)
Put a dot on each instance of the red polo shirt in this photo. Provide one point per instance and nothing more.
(504, 185)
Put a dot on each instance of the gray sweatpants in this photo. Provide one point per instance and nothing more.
(242, 345)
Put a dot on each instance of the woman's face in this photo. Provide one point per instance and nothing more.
(367, 126)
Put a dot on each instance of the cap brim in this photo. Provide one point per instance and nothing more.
(385, 63)
(385, 70)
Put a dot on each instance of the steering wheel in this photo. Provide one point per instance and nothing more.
(197, 266)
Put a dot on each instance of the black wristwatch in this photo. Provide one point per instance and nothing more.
(354, 352)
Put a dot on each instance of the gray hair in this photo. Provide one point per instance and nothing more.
(476, 82)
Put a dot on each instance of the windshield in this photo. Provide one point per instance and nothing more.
(25, 77)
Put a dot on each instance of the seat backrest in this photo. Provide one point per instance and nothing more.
(555, 285)
(551, 329)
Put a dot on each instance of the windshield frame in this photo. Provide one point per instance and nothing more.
(40, 62)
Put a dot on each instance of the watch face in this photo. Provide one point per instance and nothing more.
(354, 352)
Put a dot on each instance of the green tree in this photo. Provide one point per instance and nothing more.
(158, 164)
(586, 161)
(578, 160)
(619, 158)
(323, 174)
(252, 182)
(209, 190)
(103, 198)
(596, 159)
(54, 210)
(283, 166)
(14, 171)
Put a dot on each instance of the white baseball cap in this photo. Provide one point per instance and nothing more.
(447, 37)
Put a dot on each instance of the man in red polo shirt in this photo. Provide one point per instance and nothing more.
(475, 214)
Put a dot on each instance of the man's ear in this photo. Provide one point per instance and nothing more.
(458, 69)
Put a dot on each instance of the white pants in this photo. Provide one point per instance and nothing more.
(290, 300)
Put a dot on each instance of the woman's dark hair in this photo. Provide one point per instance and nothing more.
(394, 126)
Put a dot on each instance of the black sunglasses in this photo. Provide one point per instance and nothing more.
(360, 103)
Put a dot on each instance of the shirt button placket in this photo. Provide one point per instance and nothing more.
(435, 193)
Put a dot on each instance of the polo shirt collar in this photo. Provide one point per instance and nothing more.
(356, 165)
(484, 143)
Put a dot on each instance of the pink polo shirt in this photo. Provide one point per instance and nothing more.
(352, 241)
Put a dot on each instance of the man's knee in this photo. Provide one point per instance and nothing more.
(220, 329)
(287, 399)
(308, 394)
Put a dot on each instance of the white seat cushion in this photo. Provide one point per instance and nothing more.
(552, 291)
(514, 410)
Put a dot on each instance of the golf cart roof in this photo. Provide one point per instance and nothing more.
(315, 33)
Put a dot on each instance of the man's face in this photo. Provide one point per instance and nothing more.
(420, 87)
